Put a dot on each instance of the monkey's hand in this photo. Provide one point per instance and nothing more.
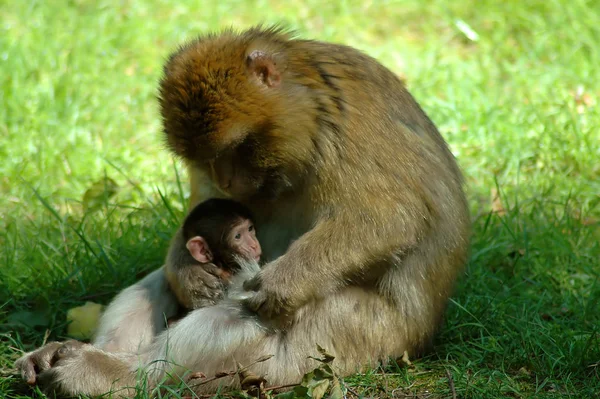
(273, 300)
(198, 286)
(208, 285)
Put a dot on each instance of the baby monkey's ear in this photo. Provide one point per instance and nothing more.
(199, 249)
(264, 67)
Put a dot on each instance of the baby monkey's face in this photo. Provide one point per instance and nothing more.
(242, 239)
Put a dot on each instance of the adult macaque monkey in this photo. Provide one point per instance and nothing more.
(358, 198)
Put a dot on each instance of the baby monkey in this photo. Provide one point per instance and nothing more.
(217, 238)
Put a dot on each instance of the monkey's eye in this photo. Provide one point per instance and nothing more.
(238, 236)
(251, 228)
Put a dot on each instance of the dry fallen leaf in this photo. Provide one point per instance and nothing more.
(253, 384)
(524, 371)
(405, 359)
(196, 375)
(497, 206)
(583, 99)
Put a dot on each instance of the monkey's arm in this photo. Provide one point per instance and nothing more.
(349, 245)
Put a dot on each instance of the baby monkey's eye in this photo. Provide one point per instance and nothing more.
(238, 236)
(251, 228)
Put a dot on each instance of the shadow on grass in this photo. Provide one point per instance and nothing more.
(524, 319)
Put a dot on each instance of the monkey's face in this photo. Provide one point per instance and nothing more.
(224, 109)
(232, 176)
(243, 241)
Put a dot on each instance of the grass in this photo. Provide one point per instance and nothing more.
(512, 85)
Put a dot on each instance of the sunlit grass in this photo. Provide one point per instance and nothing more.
(512, 85)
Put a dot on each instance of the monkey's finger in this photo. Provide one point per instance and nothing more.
(212, 269)
(255, 303)
(253, 284)
(211, 294)
(48, 382)
(27, 369)
(44, 357)
(211, 283)
(44, 362)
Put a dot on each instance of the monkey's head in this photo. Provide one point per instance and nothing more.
(218, 230)
(230, 107)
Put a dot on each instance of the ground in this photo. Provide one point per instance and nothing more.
(91, 196)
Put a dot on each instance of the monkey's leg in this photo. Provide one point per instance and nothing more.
(354, 325)
(205, 339)
(136, 315)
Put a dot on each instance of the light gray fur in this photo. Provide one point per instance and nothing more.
(136, 315)
(216, 338)
(206, 334)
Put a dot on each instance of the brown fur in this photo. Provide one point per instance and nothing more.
(340, 141)
(359, 200)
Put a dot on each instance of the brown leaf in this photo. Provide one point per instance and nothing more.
(252, 380)
(524, 371)
(497, 206)
(517, 253)
(582, 99)
(589, 221)
(317, 389)
(327, 357)
(405, 359)
(336, 390)
(197, 374)
(253, 384)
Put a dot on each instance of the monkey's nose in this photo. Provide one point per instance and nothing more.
(257, 251)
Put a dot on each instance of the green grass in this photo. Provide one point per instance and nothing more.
(519, 106)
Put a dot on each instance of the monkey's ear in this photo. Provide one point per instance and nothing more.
(199, 249)
(264, 67)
